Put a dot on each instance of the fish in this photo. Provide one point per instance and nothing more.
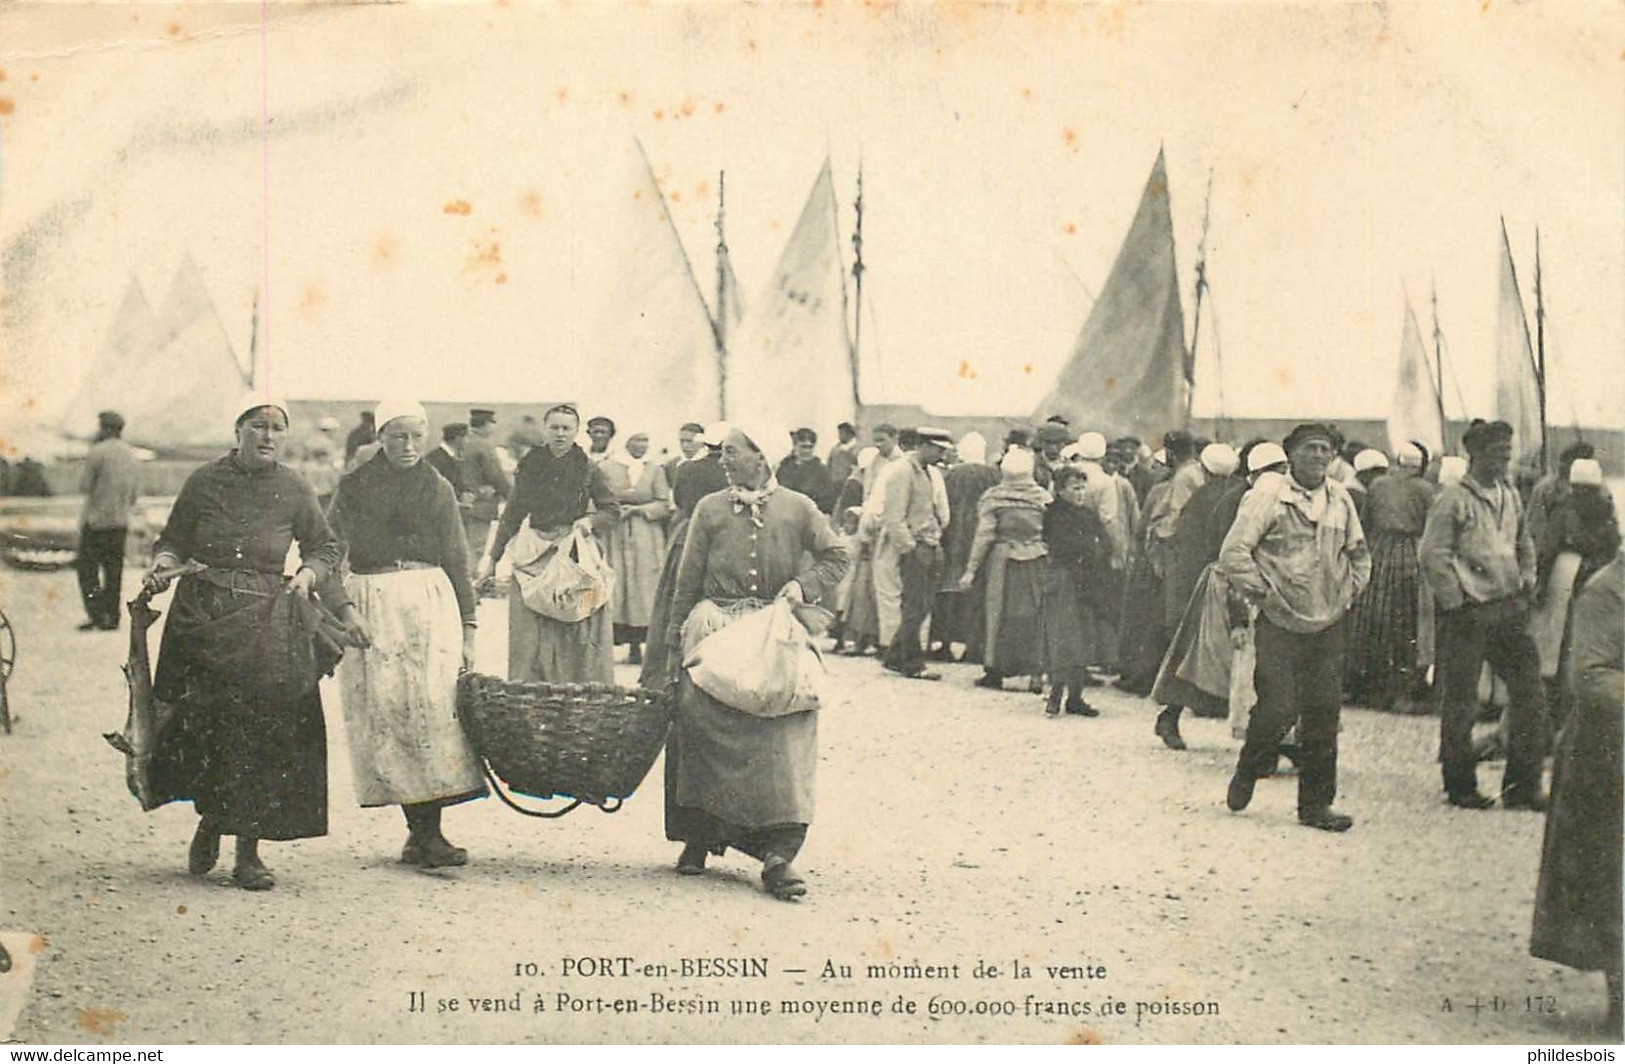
(148, 715)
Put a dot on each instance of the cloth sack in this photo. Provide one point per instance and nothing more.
(566, 579)
(762, 663)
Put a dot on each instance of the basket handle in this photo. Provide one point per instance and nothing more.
(610, 805)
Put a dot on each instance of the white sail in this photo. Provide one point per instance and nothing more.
(1414, 414)
(651, 361)
(1127, 370)
(1517, 393)
(790, 360)
(132, 339)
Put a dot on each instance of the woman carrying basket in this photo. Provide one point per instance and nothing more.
(240, 657)
(559, 489)
(734, 779)
(408, 580)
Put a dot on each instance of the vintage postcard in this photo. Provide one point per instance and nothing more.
(1117, 231)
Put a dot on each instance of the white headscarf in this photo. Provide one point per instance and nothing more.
(1017, 462)
(1220, 459)
(1092, 446)
(254, 401)
(634, 466)
(1586, 471)
(398, 406)
(972, 447)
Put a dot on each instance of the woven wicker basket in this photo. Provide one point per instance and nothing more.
(591, 742)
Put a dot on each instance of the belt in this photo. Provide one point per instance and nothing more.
(240, 581)
(398, 566)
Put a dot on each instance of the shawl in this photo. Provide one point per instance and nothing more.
(741, 497)
(1024, 494)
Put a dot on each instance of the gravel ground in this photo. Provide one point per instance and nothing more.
(955, 826)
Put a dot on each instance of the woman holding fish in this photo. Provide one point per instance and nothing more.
(243, 650)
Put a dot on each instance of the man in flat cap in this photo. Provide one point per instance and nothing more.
(802, 470)
(486, 479)
(1052, 438)
(111, 484)
(1298, 552)
(1479, 561)
(913, 516)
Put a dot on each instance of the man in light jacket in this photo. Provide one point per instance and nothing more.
(1297, 551)
(1479, 560)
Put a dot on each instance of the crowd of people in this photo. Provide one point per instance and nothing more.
(1269, 584)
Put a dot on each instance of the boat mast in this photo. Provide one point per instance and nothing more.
(1540, 353)
(857, 284)
(720, 324)
(1201, 288)
(1438, 370)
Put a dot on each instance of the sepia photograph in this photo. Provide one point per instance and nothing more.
(828, 522)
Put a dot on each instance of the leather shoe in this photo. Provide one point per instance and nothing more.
(433, 852)
(1326, 820)
(1240, 793)
(1167, 729)
(1533, 803)
(1472, 800)
(692, 860)
(204, 852)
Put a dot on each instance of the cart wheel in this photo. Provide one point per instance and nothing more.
(8, 646)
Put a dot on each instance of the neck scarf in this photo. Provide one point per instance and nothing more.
(741, 497)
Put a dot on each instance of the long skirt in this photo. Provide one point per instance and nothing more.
(1195, 672)
(400, 695)
(636, 551)
(1577, 898)
(542, 649)
(1143, 638)
(861, 623)
(248, 743)
(958, 616)
(1071, 633)
(733, 779)
(1549, 621)
(1380, 669)
(658, 664)
(1015, 614)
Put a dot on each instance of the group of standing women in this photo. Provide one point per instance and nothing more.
(241, 656)
(242, 653)
(384, 594)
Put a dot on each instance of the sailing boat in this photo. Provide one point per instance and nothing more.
(1417, 411)
(652, 318)
(790, 361)
(1128, 373)
(1520, 398)
(173, 374)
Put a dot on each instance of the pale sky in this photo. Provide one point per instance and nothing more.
(326, 155)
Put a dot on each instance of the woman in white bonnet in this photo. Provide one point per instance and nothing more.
(409, 579)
